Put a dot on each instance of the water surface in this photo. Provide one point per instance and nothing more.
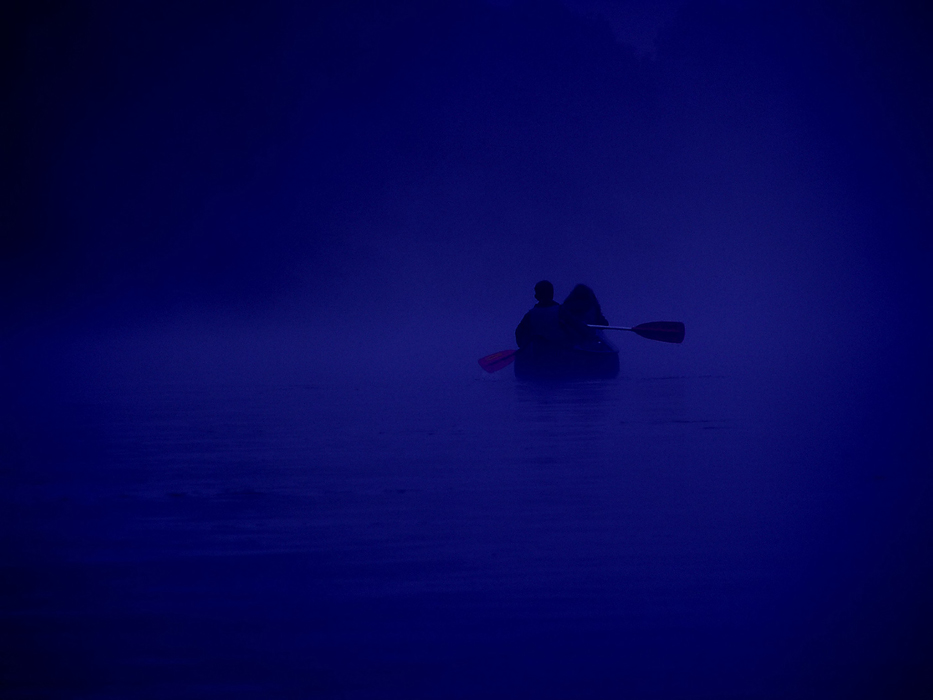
(473, 536)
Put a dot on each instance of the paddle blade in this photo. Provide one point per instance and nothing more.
(665, 331)
(498, 360)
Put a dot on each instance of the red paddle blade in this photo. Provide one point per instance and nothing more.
(666, 331)
(498, 360)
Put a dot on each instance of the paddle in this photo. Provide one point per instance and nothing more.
(498, 360)
(665, 331)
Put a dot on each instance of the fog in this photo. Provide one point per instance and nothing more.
(349, 195)
(392, 180)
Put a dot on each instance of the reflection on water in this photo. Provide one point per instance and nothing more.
(647, 538)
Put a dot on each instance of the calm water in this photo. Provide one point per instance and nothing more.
(669, 537)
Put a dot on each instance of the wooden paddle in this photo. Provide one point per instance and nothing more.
(665, 331)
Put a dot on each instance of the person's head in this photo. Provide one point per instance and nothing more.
(544, 291)
(580, 299)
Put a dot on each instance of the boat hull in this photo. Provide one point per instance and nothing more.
(598, 359)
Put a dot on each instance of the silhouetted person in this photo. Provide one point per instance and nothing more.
(542, 322)
(579, 309)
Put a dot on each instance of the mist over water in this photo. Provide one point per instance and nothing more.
(256, 253)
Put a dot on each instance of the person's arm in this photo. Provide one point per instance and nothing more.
(523, 333)
(573, 326)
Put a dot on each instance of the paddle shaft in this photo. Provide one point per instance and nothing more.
(665, 331)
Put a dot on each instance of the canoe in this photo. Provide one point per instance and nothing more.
(540, 359)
